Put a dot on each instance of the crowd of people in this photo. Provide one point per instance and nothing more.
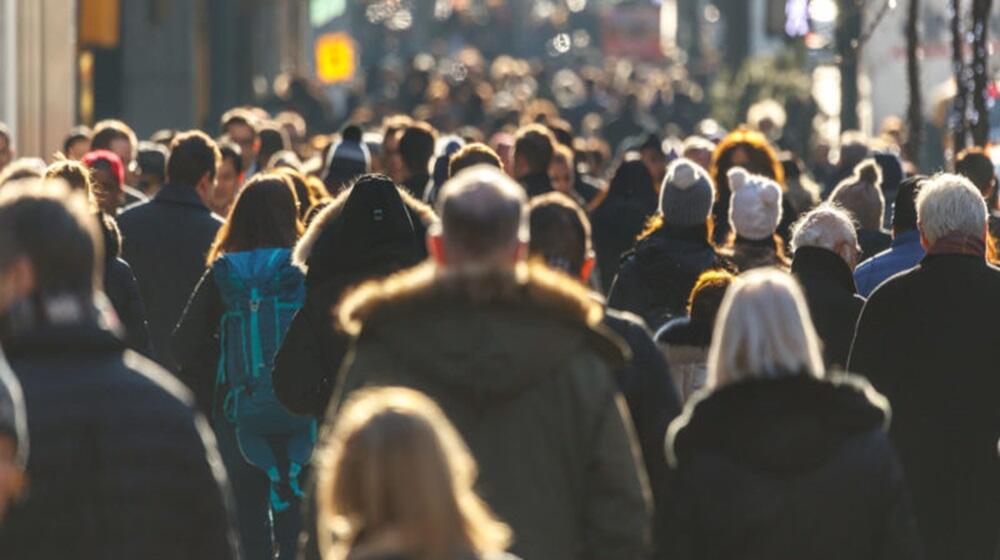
(400, 342)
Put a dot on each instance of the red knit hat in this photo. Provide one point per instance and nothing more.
(110, 159)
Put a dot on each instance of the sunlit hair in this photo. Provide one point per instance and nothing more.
(264, 215)
(950, 204)
(394, 469)
(827, 226)
(763, 330)
(761, 159)
(707, 293)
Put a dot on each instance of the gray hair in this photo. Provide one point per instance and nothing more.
(483, 212)
(826, 227)
(949, 204)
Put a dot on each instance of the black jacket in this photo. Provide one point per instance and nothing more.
(620, 218)
(417, 185)
(788, 468)
(927, 339)
(165, 241)
(536, 184)
(343, 247)
(121, 464)
(652, 402)
(656, 278)
(122, 289)
(833, 300)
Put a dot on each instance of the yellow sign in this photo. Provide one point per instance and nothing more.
(335, 57)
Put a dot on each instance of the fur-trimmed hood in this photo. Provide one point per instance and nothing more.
(330, 237)
(781, 425)
(509, 327)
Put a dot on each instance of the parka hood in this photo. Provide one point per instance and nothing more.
(485, 332)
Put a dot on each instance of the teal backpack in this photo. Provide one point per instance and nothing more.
(261, 291)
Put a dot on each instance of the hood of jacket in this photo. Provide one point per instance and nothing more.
(782, 426)
(483, 332)
(668, 251)
(373, 228)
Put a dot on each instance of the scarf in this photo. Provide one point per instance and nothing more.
(959, 244)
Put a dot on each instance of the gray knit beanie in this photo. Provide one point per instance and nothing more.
(687, 195)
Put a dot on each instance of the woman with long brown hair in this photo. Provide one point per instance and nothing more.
(226, 342)
(394, 480)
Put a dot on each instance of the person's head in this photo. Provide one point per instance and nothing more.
(152, 162)
(706, 295)
(391, 160)
(271, 139)
(194, 162)
(347, 160)
(473, 154)
(533, 147)
(950, 205)
(265, 215)
(50, 244)
(75, 174)
(861, 195)
(483, 220)
(107, 177)
(561, 173)
(698, 150)
(975, 165)
(240, 126)
(904, 209)
(21, 169)
(116, 136)
(77, 143)
(651, 155)
(854, 148)
(827, 227)
(6, 147)
(416, 148)
(393, 465)
(763, 330)
(755, 207)
(687, 195)
(892, 171)
(230, 177)
(748, 149)
(560, 234)
(13, 439)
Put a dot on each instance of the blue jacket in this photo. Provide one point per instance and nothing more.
(904, 254)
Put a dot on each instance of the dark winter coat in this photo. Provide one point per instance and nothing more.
(165, 241)
(121, 466)
(656, 278)
(872, 242)
(536, 184)
(927, 339)
(123, 291)
(417, 185)
(652, 404)
(621, 217)
(788, 468)
(518, 363)
(196, 345)
(343, 248)
(833, 300)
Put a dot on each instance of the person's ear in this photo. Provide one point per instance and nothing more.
(924, 242)
(435, 248)
(587, 269)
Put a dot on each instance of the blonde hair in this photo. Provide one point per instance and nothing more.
(763, 330)
(393, 468)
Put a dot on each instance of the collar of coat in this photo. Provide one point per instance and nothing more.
(180, 194)
(817, 262)
(533, 285)
(778, 423)
(304, 248)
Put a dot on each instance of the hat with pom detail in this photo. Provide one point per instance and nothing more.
(755, 205)
(861, 195)
(687, 195)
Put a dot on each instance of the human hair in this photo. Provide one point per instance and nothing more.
(950, 204)
(393, 464)
(75, 134)
(825, 226)
(273, 139)
(75, 174)
(904, 210)
(482, 213)
(975, 165)
(192, 155)
(564, 154)
(534, 144)
(237, 116)
(107, 131)
(303, 194)
(152, 160)
(21, 169)
(416, 146)
(560, 232)
(265, 214)
(763, 329)
(54, 228)
(562, 131)
(707, 293)
(5, 133)
(472, 154)
(861, 194)
(230, 151)
(761, 159)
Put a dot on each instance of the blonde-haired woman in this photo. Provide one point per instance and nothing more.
(394, 481)
(776, 459)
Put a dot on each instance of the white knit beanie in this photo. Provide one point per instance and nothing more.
(755, 206)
